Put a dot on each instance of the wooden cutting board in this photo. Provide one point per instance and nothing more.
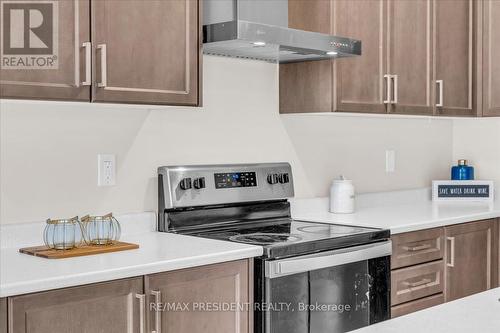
(87, 250)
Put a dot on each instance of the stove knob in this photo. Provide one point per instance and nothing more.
(199, 183)
(284, 178)
(272, 178)
(185, 184)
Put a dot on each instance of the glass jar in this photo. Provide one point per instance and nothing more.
(462, 171)
(101, 230)
(63, 234)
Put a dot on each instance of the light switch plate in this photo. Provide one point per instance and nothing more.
(390, 161)
(106, 170)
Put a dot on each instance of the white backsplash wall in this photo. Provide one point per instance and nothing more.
(478, 141)
(355, 147)
(48, 165)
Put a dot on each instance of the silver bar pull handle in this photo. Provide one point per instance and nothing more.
(440, 92)
(452, 251)
(157, 295)
(104, 70)
(417, 248)
(395, 97)
(420, 283)
(87, 46)
(142, 315)
(388, 90)
(326, 259)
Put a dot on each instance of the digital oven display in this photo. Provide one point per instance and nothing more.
(235, 179)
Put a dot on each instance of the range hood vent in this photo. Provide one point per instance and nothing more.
(258, 29)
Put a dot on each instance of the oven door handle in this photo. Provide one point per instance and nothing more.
(283, 267)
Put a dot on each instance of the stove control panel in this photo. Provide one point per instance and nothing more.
(235, 179)
(190, 186)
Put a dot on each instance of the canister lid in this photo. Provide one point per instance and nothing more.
(342, 179)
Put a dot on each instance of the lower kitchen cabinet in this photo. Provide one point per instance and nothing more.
(417, 277)
(184, 301)
(471, 258)
(412, 248)
(110, 307)
(412, 283)
(419, 304)
(433, 266)
(187, 300)
(3, 315)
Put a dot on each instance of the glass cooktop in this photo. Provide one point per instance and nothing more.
(287, 236)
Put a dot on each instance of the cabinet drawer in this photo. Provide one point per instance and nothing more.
(408, 284)
(419, 304)
(417, 247)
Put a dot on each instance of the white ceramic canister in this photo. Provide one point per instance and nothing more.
(342, 196)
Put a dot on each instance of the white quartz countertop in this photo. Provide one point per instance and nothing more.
(476, 313)
(399, 211)
(158, 252)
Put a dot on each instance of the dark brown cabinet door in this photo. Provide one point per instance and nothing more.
(111, 307)
(453, 56)
(410, 61)
(307, 86)
(185, 296)
(146, 51)
(49, 60)
(3, 315)
(471, 258)
(491, 54)
(359, 81)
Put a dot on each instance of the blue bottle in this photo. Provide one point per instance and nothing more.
(462, 171)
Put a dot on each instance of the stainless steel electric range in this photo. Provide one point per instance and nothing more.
(332, 278)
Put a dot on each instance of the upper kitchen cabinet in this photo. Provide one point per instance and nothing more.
(491, 54)
(454, 57)
(136, 51)
(409, 57)
(46, 50)
(394, 71)
(393, 74)
(146, 51)
(359, 82)
(307, 86)
(420, 57)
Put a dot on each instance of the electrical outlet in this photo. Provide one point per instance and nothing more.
(106, 170)
(390, 161)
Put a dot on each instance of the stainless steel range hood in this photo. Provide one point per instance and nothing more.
(258, 29)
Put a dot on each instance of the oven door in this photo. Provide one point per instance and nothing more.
(333, 291)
